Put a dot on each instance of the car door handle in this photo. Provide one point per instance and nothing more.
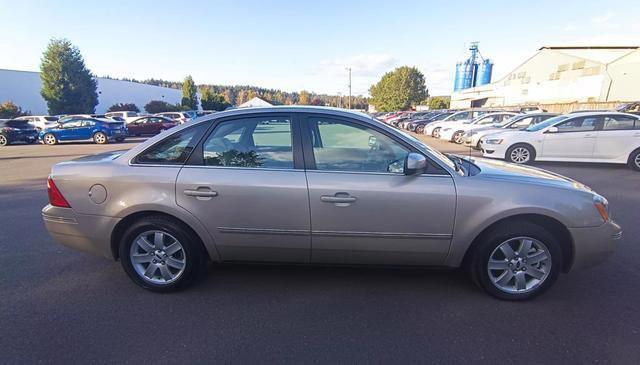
(589, 136)
(201, 193)
(340, 199)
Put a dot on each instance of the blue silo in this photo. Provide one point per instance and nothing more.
(457, 82)
(484, 72)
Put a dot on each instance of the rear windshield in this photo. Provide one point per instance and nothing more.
(51, 119)
(19, 124)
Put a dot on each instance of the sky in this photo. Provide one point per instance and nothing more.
(296, 45)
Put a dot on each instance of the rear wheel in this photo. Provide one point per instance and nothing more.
(161, 255)
(49, 139)
(420, 129)
(520, 154)
(457, 137)
(100, 138)
(516, 261)
(3, 140)
(436, 132)
(634, 160)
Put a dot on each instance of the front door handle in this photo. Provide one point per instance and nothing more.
(589, 136)
(339, 199)
(201, 193)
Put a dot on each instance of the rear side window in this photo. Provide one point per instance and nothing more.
(615, 123)
(175, 149)
(251, 142)
(19, 124)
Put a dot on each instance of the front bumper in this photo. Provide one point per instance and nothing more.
(492, 150)
(593, 245)
(89, 233)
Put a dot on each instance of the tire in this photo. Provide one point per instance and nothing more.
(50, 139)
(4, 141)
(507, 278)
(522, 154)
(100, 138)
(457, 137)
(184, 266)
(436, 132)
(634, 160)
(420, 129)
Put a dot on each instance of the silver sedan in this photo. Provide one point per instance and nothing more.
(322, 186)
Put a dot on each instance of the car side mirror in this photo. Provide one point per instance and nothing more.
(414, 164)
(552, 130)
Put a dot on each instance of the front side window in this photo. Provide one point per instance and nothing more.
(264, 142)
(175, 149)
(522, 123)
(344, 146)
(72, 124)
(582, 124)
(618, 123)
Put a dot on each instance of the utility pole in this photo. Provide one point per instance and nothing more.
(339, 100)
(349, 69)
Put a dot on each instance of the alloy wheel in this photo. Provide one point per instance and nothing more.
(520, 155)
(457, 137)
(519, 265)
(157, 257)
(3, 140)
(636, 160)
(50, 139)
(100, 138)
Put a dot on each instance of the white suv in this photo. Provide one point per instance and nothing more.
(582, 137)
(181, 117)
(40, 122)
(128, 116)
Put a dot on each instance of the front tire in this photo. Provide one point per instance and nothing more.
(420, 129)
(161, 255)
(520, 154)
(634, 160)
(457, 137)
(4, 141)
(518, 261)
(50, 139)
(100, 138)
(436, 132)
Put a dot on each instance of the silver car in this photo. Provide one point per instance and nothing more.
(322, 186)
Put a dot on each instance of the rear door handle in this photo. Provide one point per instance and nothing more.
(339, 199)
(589, 136)
(202, 192)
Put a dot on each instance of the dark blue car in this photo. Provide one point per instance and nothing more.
(17, 131)
(85, 129)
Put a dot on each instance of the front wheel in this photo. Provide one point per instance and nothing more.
(457, 137)
(49, 139)
(3, 140)
(161, 255)
(420, 129)
(100, 138)
(520, 154)
(634, 160)
(436, 132)
(517, 261)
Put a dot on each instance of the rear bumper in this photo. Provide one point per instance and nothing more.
(88, 233)
(593, 245)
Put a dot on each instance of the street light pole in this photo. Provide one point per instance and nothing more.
(349, 69)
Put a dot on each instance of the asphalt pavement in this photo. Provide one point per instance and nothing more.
(58, 305)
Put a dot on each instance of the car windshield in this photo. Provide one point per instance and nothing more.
(508, 121)
(546, 123)
(441, 116)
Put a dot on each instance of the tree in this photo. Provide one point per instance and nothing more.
(212, 101)
(439, 102)
(305, 98)
(68, 86)
(189, 93)
(123, 107)
(9, 110)
(399, 89)
(160, 106)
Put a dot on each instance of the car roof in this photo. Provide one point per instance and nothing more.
(289, 109)
(582, 114)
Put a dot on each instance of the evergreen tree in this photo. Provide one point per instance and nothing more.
(68, 86)
(189, 94)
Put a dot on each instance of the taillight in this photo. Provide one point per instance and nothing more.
(55, 196)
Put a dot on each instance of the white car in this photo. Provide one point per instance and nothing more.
(181, 117)
(582, 137)
(127, 116)
(453, 132)
(432, 129)
(40, 122)
(521, 121)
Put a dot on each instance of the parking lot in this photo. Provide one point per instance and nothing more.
(60, 305)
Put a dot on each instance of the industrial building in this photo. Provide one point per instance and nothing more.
(23, 88)
(596, 74)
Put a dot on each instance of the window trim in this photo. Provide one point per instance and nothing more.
(636, 123)
(134, 160)
(309, 156)
(595, 129)
(196, 159)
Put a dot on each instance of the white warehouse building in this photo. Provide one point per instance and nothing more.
(23, 88)
(562, 75)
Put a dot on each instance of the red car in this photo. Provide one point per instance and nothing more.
(150, 125)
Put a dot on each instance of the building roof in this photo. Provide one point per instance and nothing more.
(255, 102)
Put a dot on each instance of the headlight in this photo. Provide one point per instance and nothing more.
(493, 141)
(602, 205)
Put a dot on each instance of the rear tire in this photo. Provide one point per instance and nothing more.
(522, 154)
(4, 141)
(100, 138)
(457, 137)
(160, 266)
(420, 129)
(436, 132)
(526, 270)
(634, 160)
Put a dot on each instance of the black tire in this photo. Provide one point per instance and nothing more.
(4, 140)
(100, 138)
(435, 132)
(509, 157)
(634, 160)
(50, 139)
(195, 256)
(420, 129)
(482, 251)
(454, 137)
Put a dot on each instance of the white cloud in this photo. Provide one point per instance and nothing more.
(361, 65)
